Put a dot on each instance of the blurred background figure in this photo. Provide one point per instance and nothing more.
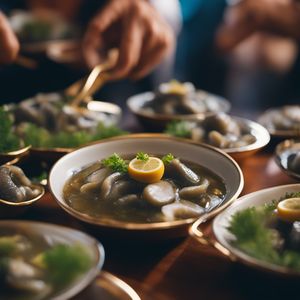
(9, 45)
(244, 50)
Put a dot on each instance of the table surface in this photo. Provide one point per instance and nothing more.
(184, 269)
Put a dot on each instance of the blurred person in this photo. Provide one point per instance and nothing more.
(262, 39)
(134, 27)
(9, 45)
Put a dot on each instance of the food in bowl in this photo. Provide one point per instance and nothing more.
(41, 26)
(15, 186)
(9, 141)
(270, 232)
(144, 188)
(294, 162)
(283, 119)
(175, 98)
(46, 121)
(42, 261)
(220, 130)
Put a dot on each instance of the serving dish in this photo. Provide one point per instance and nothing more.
(223, 239)
(108, 287)
(18, 192)
(40, 29)
(54, 235)
(282, 122)
(221, 164)
(285, 153)
(261, 136)
(14, 156)
(157, 121)
(45, 120)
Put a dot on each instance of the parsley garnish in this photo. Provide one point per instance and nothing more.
(142, 156)
(116, 163)
(168, 158)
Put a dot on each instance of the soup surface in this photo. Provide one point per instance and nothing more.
(181, 190)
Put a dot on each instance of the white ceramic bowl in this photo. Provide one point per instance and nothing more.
(216, 161)
(58, 234)
(158, 121)
(224, 237)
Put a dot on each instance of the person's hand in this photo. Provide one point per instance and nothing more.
(9, 45)
(136, 29)
(280, 17)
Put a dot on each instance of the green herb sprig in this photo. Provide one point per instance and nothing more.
(254, 237)
(142, 156)
(8, 140)
(116, 163)
(65, 262)
(179, 129)
(167, 159)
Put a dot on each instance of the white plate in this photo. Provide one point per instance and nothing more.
(225, 238)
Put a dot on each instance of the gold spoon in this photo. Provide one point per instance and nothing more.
(96, 79)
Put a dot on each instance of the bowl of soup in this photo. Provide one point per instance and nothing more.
(174, 101)
(239, 137)
(46, 261)
(144, 183)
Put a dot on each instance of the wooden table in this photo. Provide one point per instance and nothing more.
(183, 269)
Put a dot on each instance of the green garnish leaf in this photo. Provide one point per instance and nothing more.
(8, 140)
(40, 137)
(116, 163)
(142, 156)
(254, 236)
(168, 158)
(179, 129)
(8, 245)
(65, 262)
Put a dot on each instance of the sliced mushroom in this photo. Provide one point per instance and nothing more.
(181, 210)
(94, 180)
(128, 200)
(159, 193)
(197, 134)
(183, 172)
(121, 188)
(216, 139)
(15, 186)
(194, 192)
(294, 162)
(82, 175)
(36, 286)
(222, 123)
(107, 184)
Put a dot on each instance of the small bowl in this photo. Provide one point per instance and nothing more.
(279, 134)
(223, 238)
(60, 234)
(282, 153)
(51, 155)
(13, 209)
(158, 122)
(211, 158)
(14, 156)
(258, 131)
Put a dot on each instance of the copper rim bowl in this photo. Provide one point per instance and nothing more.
(12, 209)
(211, 158)
(282, 152)
(260, 133)
(222, 239)
(14, 156)
(57, 234)
(159, 121)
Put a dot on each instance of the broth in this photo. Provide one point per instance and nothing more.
(131, 201)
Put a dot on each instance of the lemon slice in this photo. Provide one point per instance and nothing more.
(289, 209)
(149, 171)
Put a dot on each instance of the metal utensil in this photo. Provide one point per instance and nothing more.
(97, 78)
